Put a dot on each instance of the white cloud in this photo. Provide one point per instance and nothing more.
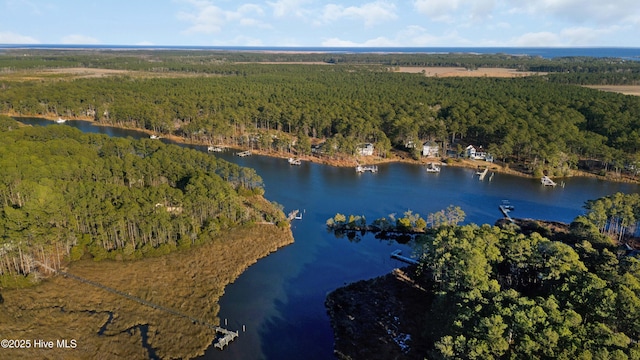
(34, 9)
(8, 37)
(541, 39)
(577, 36)
(413, 36)
(437, 10)
(482, 9)
(418, 36)
(79, 40)
(370, 13)
(283, 8)
(238, 41)
(455, 10)
(208, 18)
(377, 42)
(145, 43)
(582, 11)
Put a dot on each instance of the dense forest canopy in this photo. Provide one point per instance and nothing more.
(535, 120)
(521, 290)
(504, 295)
(65, 193)
(498, 293)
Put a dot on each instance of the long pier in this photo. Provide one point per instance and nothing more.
(227, 335)
(482, 174)
(397, 254)
(504, 209)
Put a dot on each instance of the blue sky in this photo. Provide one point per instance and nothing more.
(388, 23)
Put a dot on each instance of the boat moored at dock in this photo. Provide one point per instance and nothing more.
(361, 168)
(432, 168)
(215, 149)
(294, 161)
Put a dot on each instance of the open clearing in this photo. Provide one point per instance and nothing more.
(462, 72)
(84, 73)
(622, 89)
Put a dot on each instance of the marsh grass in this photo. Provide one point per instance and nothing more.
(189, 282)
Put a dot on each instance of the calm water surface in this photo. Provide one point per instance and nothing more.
(280, 299)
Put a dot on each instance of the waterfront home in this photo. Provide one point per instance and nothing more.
(430, 149)
(477, 153)
(365, 149)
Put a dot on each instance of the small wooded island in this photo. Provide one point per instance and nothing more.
(147, 236)
(528, 290)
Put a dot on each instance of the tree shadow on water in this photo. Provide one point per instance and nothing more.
(297, 336)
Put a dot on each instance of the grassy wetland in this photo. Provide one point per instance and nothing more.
(108, 326)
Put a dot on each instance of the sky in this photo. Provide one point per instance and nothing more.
(316, 23)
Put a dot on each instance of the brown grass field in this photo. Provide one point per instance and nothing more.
(622, 89)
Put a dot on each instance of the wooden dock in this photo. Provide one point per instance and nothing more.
(546, 181)
(397, 254)
(295, 215)
(227, 337)
(244, 153)
(482, 173)
(505, 208)
(360, 168)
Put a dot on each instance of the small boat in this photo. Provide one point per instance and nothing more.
(293, 161)
(61, 121)
(507, 205)
(154, 137)
(214, 149)
(432, 168)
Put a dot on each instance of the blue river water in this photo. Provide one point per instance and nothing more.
(280, 300)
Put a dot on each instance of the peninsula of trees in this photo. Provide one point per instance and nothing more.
(489, 292)
(69, 195)
(537, 123)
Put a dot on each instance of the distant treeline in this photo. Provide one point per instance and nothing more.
(68, 194)
(575, 70)
(532, 121)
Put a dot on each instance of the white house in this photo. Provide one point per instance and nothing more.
(365, 149)
(475, 152)
(430, 149)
